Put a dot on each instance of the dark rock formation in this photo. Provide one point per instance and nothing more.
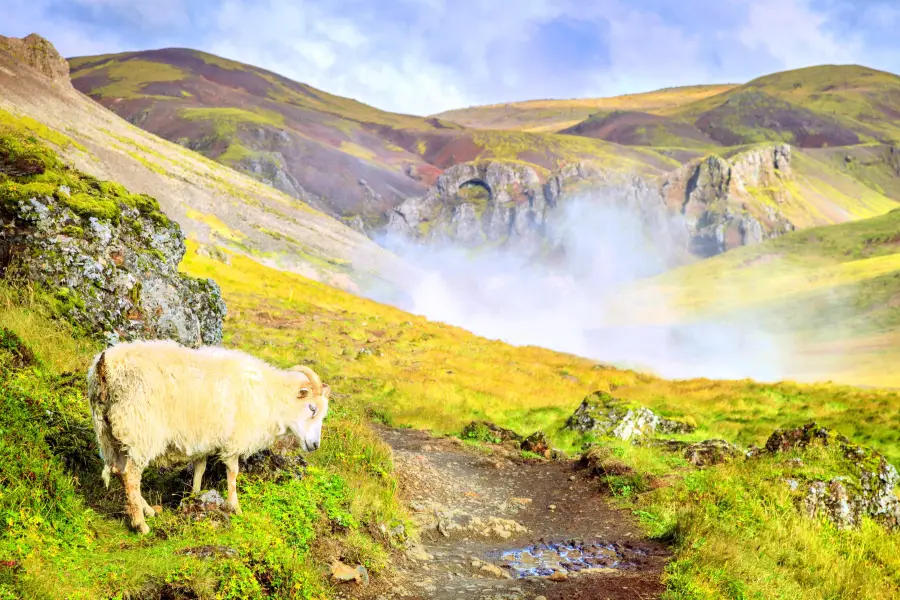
(485, 431)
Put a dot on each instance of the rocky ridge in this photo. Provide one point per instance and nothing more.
(705, 207)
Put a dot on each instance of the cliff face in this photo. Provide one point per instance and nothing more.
(716, 197)
(706, 207)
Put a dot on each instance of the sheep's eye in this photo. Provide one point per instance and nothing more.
(313, 409)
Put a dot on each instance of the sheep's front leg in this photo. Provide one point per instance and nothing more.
(231, 468)
(134, 502)
(199, 469)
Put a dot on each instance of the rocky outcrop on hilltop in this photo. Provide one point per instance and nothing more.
(108, 257)
(39, 54)
(707, 206)
(718, 198)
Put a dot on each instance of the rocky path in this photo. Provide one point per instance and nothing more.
(495, 527)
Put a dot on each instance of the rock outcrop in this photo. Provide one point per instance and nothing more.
(715, 196)
(503, 203)
(110, 258)
(866, 489)
(39, 54)
(705, 207)
(605, 415)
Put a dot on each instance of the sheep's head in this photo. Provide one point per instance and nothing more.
(305, 418)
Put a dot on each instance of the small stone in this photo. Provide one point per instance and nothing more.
(552, 507)
(558, 576)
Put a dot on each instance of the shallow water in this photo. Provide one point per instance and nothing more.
(542, 559)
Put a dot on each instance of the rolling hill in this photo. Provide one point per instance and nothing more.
(556, 115)
(822, 106)
(214, 204)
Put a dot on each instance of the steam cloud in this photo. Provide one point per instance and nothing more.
(570, 304)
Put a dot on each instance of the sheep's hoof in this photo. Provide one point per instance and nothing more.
(235, 509)
(149, 512)
(143, 528)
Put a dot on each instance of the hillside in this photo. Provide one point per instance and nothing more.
(341, 156)
(212, 203)
(823, 106)
(829, 296)
(728, 520)
(555, 115)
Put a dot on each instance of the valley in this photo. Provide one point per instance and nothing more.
(595, 327)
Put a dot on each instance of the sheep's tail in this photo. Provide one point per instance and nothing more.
(98, 395)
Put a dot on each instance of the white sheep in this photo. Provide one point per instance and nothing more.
(162, 402)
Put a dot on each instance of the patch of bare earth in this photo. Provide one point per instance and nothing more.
(498, 527)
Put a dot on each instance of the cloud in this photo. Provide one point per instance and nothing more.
(425, 56)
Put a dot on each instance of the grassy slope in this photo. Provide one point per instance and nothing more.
(555, 115)
(102, 144)
(736, 531)
(860, 99)
(834, 291)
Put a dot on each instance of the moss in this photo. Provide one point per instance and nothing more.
(73, 231)
(11, 192)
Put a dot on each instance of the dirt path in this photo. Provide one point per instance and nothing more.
(494, 527)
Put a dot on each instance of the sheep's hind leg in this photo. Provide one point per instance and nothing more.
(231, 469)
(134, 502)
(199, 469)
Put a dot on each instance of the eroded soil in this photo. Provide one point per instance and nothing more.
(496, 527)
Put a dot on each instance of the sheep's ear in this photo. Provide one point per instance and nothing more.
(303, 393)
(326, 390)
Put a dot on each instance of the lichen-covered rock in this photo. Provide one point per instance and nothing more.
(600, 461)
(785, 440)
(711, 452)
(867, 488)
(602, 414)
(832, 501)
(109, 257)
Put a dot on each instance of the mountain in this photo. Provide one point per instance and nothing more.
(214, 204)
(374, 168)
(337, 154)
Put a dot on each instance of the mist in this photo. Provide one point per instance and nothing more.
(570, 299)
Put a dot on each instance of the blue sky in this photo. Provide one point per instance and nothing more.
(425, 56)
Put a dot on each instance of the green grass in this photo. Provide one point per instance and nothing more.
(226, 120)
(65, 532)
(128, 78)
(736, 530)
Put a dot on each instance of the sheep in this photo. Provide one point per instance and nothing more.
(157, 401)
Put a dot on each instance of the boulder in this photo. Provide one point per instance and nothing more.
(109, 257)
(604, 415)
(867, 488)
(711, 452)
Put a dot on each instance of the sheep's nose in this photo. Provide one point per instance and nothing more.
(313, 445)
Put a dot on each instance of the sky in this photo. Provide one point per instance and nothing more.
(426, 56)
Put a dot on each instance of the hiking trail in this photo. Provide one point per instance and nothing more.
(495, 526)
